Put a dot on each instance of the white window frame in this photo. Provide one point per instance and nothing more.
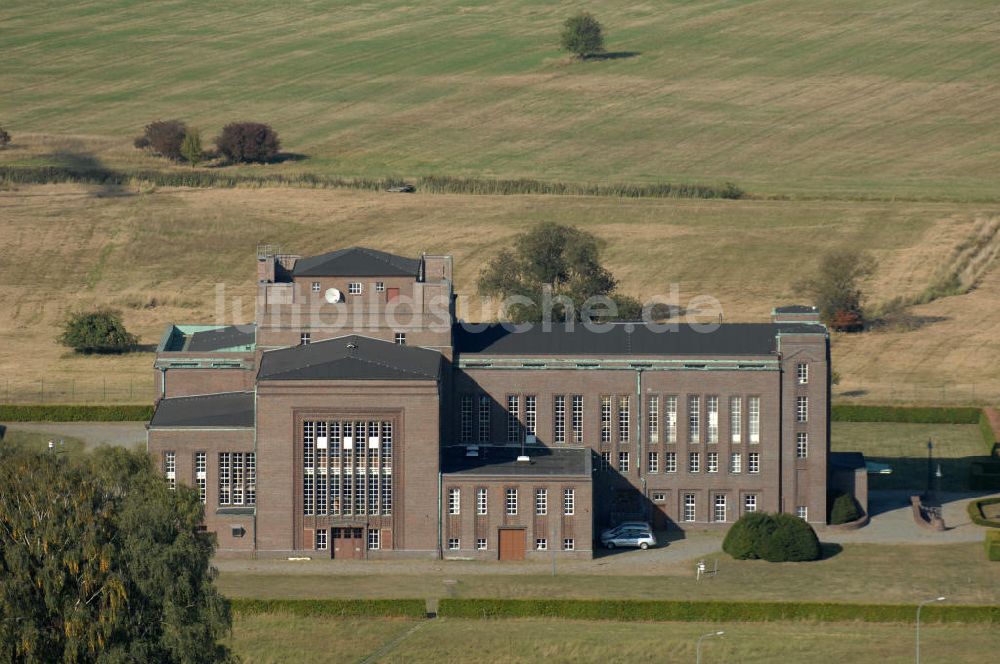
(753, 463)
(569, 544)
(605, 418)
(454, 501)
(201, 475)
(510, 501)
(513, 418)
(750, 503)
(569, 502)
(736, 463)
(399, 338)
(170, 468)
(801, 445)
(624, 418)
(355, 288)
(605, 460)
(802, 511)
(577, 415)
(379, 286)
(654, 462)
(374, 539)
(670, 416)
(454, 543)
(801, 409)
(690, 504)
(712, 462)
(670, 462)
(694, 418)
(541, 502)
(623, 462)
(305, 338)
(316, 286)
(484, 415)
(559, 419)
(753, 415)
(481, 544)
(720, 504)
(653, 418)
(541, 544)
(482, 501)
(802, 373)
(712, 404)
(320, 542)
(530, 415)
(735, 419)
(694, 462)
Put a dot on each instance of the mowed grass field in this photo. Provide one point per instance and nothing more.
(270, 639)
(166, 256)
(830, 98)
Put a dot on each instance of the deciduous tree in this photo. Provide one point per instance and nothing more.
(583, 35)
(100, 331)
(836, 288)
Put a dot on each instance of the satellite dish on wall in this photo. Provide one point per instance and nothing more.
(333, 295)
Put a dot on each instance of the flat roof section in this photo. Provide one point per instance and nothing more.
(225, 410)
(209, 338)
(502, 461)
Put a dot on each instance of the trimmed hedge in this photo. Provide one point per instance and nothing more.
(776, 538)
(683, 611)
(989, 436)
(993, 546)
(64, 413)
(909, 415)
(974, 508)
(336, 608)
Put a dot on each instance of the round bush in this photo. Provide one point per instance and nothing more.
(248, 142)
(772, 537)
(743, 539)
(164, 137)
(845, 509)
(99, 331)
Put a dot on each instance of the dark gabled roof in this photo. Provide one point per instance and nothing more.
(496, 460)
(223, 337)
(628, 339)
(222, 410)
(357, 262)
(350, 358)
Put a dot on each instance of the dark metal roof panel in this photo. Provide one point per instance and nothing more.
(222, 410)
(224, 337)
(350, 358)
(635, 339)
(502, 461)
(357, 262)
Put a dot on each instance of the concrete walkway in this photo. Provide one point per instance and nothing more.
(93, 434)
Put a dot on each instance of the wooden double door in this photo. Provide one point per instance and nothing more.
(512, 543)
(348, 543)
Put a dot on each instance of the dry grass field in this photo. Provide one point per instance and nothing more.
(270, 639)
(160, 255)
(830, 98)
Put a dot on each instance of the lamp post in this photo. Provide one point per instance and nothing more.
(930, 468)
(697, 650)
(920, 606)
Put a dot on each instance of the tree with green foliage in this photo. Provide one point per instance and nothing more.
(844, 509)
(100, 331)
(772, 537)
(4, 138)
(100, 561)
(164, 137)
(555, 268)
(246, 142)
(582, 35)
(191, 147)
(836, 288)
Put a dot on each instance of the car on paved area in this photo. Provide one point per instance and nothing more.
(640, 537)
(607, 532)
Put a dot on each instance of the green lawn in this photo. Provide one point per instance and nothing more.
(40, 441)
(848, 98)
(276, 638)
(904, 447)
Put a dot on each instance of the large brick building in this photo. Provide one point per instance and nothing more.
(358, 418)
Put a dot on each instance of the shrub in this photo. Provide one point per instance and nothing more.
(914, 415)
(582, 35)
(837, 286)
(100, 331)
(165, 137)
(248, 142)
(772, 537)
(976, 514)
(845, 509)
(989, 436)
(993, 545)
(4, 138)
(191, 147)
(63, 413)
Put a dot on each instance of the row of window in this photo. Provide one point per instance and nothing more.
(720, 506)
(321, 542)
(511, 501)
(541, 544)
(306, 338)
(475, 412)
(694, 462)
(353, 287)
(237, 472)
(347, 467)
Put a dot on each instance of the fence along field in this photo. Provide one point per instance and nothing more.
(837, 98)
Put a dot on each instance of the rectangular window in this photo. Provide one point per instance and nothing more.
(374, 539)
(659, 497)
(670, 462)
(305, 338)
(346, 468)
(484, 419)
(200, 474)
(735, 419)
(749, 503)
(713, 462)
(720, 508)
(753, 406)
(654, 462)
(251, 461)
(530, 414)
(400, 338)
(802, 512)
(653, 416)
(237, 488)
(454, 501)
(321, 539)
(481, 544)
(569, 544)
(623, 462)
(802, 373)
(694, 419)
(688, 514)
(481, 502)
(453, 543)
(753, 462)
(170, 468)
(605, 419)
(541, 544)
(605, 460)
(513, 419)
(623, 419)
(225, 480)
(801, 445)
(541, 502)
(466, 418)
(735, 463)
(316, 287)
(694, 462)
(511, 505)
(569, 502)
(713, 419)
(801, 409)
(670, 412)
(577, 418)
(354, 288)
(379, 286)
(559, 419)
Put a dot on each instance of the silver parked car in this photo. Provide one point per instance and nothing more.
(640, 537)
(608, 532)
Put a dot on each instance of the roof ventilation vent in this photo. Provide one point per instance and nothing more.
(352, 346)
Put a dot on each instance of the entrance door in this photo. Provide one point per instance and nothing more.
(391, 294)
(512, 544)
(348, 543)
